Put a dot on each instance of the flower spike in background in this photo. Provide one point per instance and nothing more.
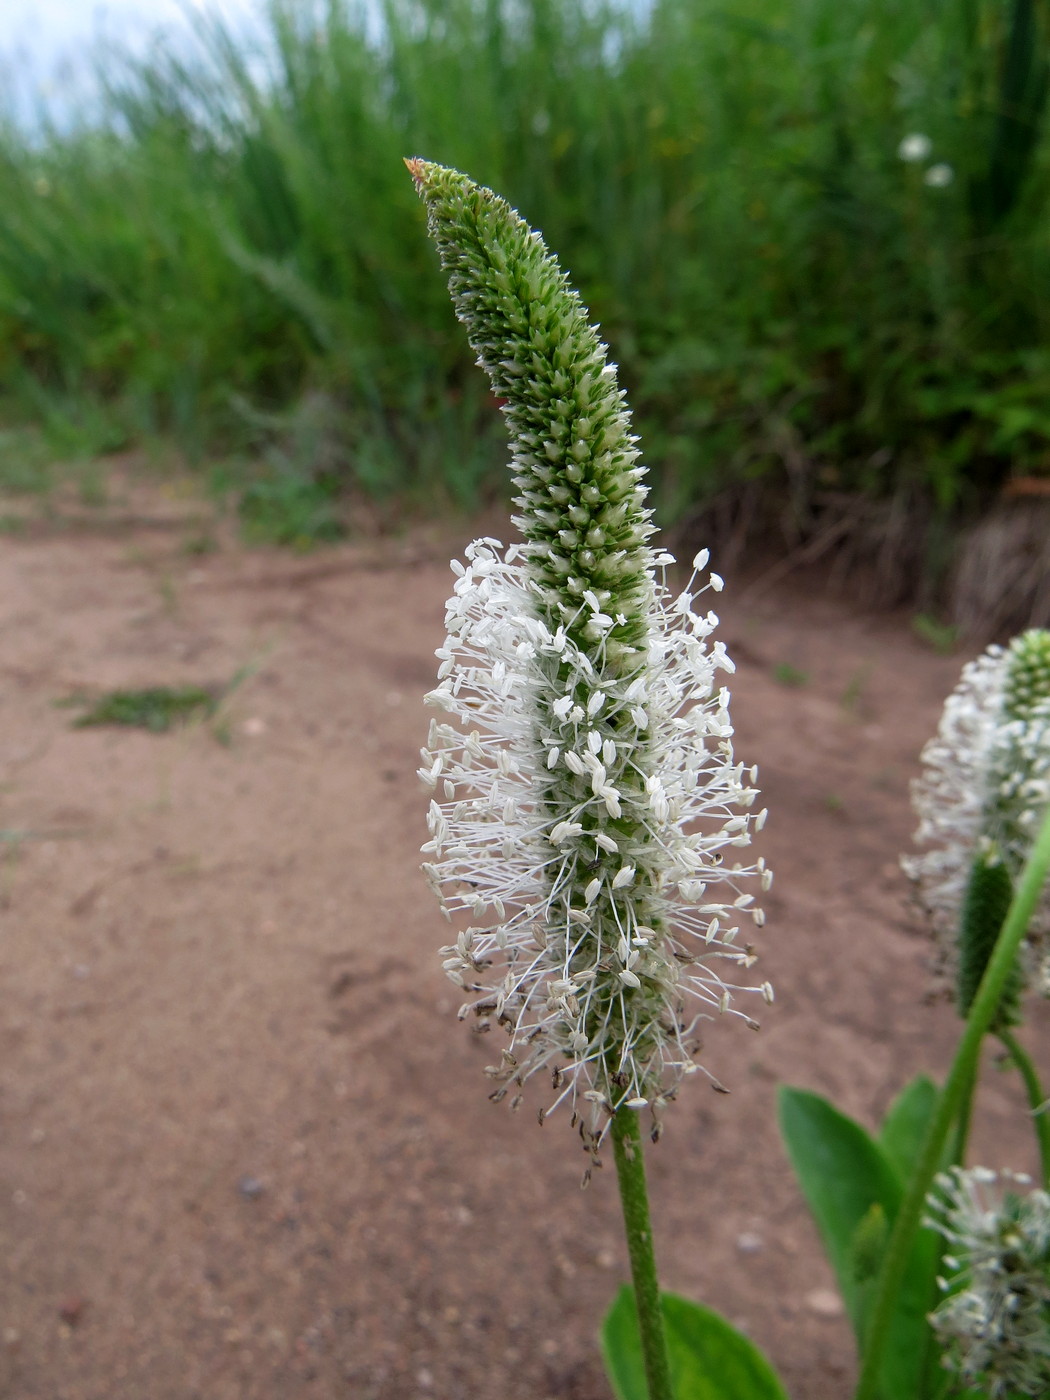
(994, 1320)
(983, 793)
(589, 812)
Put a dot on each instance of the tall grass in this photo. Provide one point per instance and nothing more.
(230, 250)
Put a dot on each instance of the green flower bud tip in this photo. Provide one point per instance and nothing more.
(1026, 693)
(985, 906)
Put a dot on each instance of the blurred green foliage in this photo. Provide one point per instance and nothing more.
(157, 708)
(790, 301)
(786, 674)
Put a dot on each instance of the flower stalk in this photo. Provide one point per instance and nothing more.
(1037, 1099)
(634, 1199)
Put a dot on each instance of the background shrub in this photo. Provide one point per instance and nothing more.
(229, 246)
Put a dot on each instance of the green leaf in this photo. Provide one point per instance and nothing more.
(852, 1183)
(710, 1360)
(910, 1366)
(621, 1344)
(904, 1126)
(869, 1244)
(843, 1172)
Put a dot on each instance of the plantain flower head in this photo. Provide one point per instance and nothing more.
(995, 1320)
(983, 792)
(589, 816)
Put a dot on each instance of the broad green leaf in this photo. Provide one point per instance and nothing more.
(848, 1180)
(901, 1137)
(710, 1360)
(843, 1172)
(621, 1343)
(904, 1128)
(905, 1362)
(869, 1244)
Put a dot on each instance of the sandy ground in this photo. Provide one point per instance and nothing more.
(245, 1149)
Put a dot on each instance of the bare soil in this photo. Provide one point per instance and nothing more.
(245, 1149)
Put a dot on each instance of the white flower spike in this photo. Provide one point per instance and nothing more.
(590, 811)
(984, 791)
(995, 1319)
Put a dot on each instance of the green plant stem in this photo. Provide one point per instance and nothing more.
(1036, 1098)
(630, 1173)
(932, 1368)
(949, 1106)
(962, 1122)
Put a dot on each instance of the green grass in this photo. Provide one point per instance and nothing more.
(232, 254)
(786, 674)
(25, 463)
(160, 708)
(852, 699)
(157, 708)
(287, 510)
(941, 636)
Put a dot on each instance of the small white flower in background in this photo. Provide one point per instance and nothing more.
(915, 148)
(985, 788)
(589, 812)
(939, 176)
(995, 1319)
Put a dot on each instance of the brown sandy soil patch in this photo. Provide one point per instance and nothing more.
(245, 1149)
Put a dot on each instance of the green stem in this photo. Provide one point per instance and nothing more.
(1036, 1098)
(932, 1369)
(962, 1122)
(950, 1104)
(630, 1173)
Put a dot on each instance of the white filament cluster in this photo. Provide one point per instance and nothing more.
(995, 1319)
(585, 830)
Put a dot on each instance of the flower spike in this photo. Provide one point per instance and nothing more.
(982, 796)
(588, 809)
(993, 1321)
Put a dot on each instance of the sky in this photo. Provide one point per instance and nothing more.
(40, 39)
(46, 31)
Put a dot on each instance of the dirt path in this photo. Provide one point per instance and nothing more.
(245, 1149)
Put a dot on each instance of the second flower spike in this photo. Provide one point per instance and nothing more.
(983, 793)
